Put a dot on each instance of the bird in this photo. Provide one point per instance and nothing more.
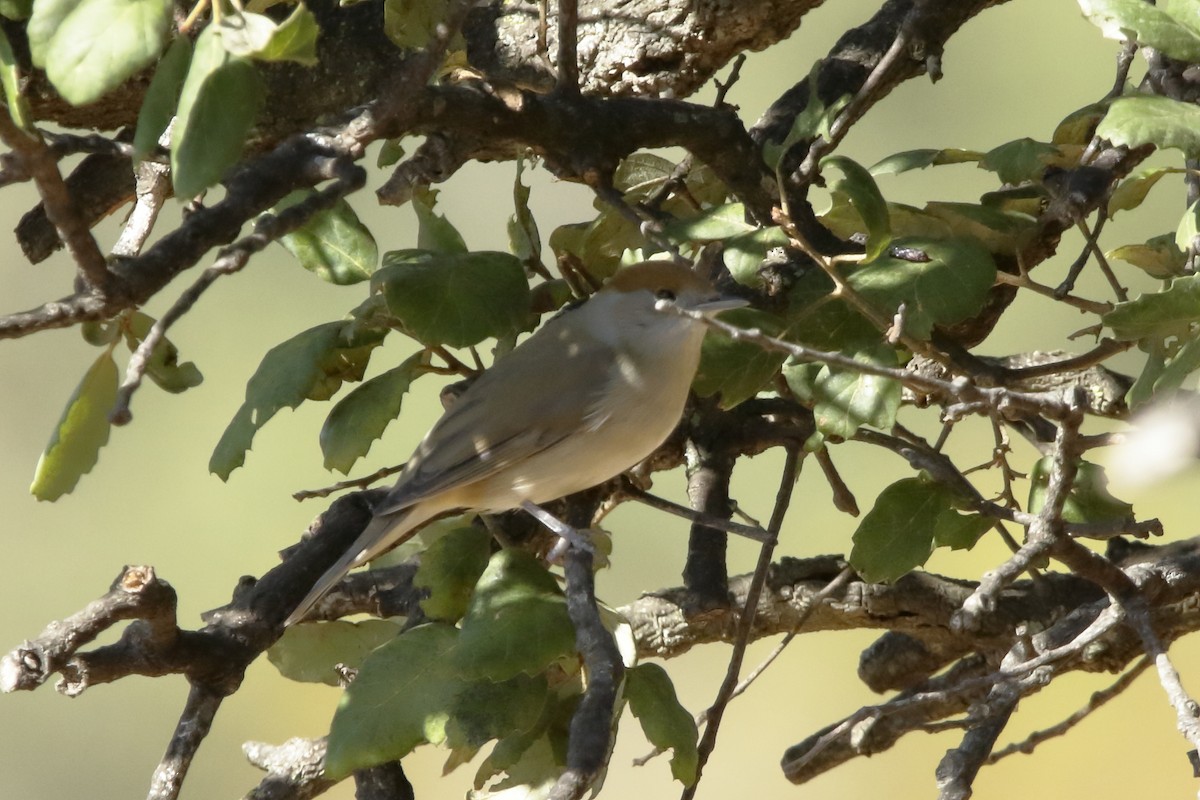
(590, 394)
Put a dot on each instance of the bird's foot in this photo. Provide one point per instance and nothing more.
(568, 536)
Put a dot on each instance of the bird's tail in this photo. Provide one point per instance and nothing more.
(382, 533)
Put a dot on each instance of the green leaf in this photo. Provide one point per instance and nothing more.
(361, 417)
(960, 531)
(524, 240)
(1089, 499)
(400, 699)
(710, 225)
(813, 121)
(844, 400)
(1147, 25)
(532, 766)
(10, 79)
(1185, 12)
(920, 159)
(1142, 390)
(844, 221)
(1078, 127)
(217, 106)
(410, 23)
(390, 152)
(736, 369)
(1133, 190)
(815, 320)
(1158, 314)
(310, 653)
(163, 366)
(1000, 231)
(599, 243)
(82, 430)
(1135, 121)
(162, 97)
(948, 288)
(864, 195)
(1187, 235)
(259, 37)
(666, 723)
(899, 533)
(16, 9)
(294, 39)
(641, 173)
(455, 299)
(516, 600)
(435, 233)
(333, 244)
(245, 34)
(744, 254)
(97, 44)
(1183, 363)
(310, 365)
(44, 21)
(1019, 160)
(1159, 257)
(484, 711)
(450, 568)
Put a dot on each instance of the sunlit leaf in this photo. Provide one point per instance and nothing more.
(332, 244)
(736, 369)
(434, 231)
(666, 723)
(10, 80)
(158, 108)
(450, 568)
(455, 299)
(1158, 257)
(909, 518)
(310, 365)
(217, 106)
(311, 653)
(952, 285)
(1158, 313)
(96, 44)
(1160, 121)
(1088, 500)
(1019, 160)
(864, 195)
(843, 400)
(1147, 25)
(1132, 191)
(920, 159)
(400, 699)
(82, 430)
(516, 600)
(163, 366)
(361, 417)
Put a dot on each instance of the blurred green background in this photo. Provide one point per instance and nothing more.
(1013, 72)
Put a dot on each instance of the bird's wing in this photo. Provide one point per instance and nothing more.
(454, 453)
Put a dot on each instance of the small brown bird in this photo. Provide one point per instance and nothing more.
(593, 392)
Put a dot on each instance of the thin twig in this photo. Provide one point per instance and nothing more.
(752, 532)
(230, 260)
(1098, 699)
(341, 486)
(61, 209)
(834, 585)
(716, 712)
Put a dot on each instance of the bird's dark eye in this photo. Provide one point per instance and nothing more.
(665, 294)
